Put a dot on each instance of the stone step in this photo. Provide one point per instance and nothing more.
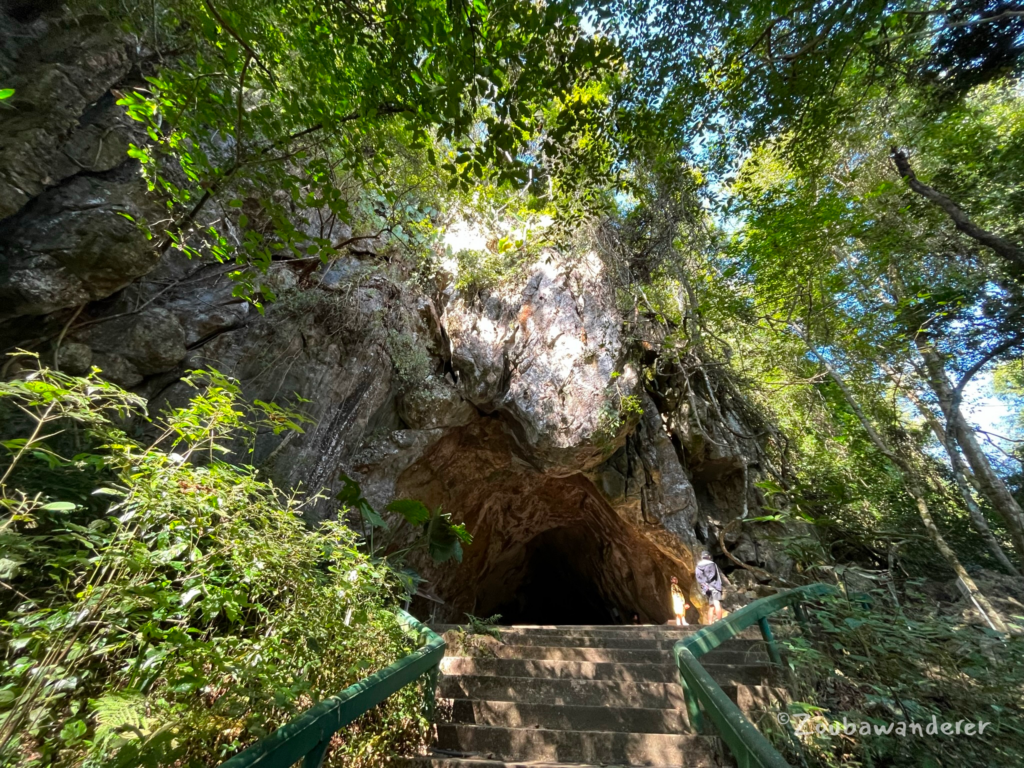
(558, 717)
(753, 654)
(594, 747)
(565, 692)
(621, 629)
(594, 693)
(653, 633)
(555, 697)
(624, 642)
(561, 641)
(440, 760)
(614, 632)
(751, 674)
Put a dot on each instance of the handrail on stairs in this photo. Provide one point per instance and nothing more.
(307, 737)
(749, 748)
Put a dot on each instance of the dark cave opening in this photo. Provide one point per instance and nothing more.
(555, 579)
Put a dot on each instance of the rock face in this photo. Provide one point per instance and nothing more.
(66, 182)
(518, 409)
(544, 356)
(72, 245)
(62, 112)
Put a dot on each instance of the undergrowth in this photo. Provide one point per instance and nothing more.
(162, 606)
(875, 664)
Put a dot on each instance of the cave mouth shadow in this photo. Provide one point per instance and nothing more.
(556, 579)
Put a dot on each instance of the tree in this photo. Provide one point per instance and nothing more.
(262, 107)
(913, 487)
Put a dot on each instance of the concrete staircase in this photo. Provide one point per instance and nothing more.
(590, 695)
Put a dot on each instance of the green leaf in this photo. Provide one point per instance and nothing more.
(444, 540)
(370, 515)
(59, 506)
(414, 512)
(6, 93)
(462, 534)
(350, 494)
(444, 546)
(73, 731)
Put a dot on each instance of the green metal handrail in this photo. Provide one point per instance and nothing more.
(749, 748)
(307, 737)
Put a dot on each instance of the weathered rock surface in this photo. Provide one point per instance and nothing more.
(58, 123)
(152, 341)
(435, 404)
(543, 355)
(67, 186)
(72, 245)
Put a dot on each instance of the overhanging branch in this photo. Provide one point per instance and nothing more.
(1001, 246)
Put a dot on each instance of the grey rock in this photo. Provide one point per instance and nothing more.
(435, 403)
(152, 341)
(117, 369)
(542, 354)
(745, 550)
(60, 67)
(379, 465)
(673, 502)
(156, 342)
(74, 358)
(611, 483)
(74, 246)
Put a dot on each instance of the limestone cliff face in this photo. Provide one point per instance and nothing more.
(511, 407)
(543, 354)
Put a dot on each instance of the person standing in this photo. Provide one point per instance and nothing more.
(709, 582)
(678, 603)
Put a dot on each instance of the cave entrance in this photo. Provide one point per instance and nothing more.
(556, 578)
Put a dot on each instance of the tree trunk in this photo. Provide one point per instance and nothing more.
(960, 477)
(1009, 251)
(913, 488)
(989, 613)
(989, 482)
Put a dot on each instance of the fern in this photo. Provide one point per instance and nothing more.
(122, 714)
(488, 626)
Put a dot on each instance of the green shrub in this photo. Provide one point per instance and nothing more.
(611, 419)
(409, 359)
(480, 626)
(873, 662)
(163, 606)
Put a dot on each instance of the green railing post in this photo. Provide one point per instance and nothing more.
(705, 700)
(769, 640)
(693, 713)
(430, 695)
(693, 709)
(801, 616)
(315, 757)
